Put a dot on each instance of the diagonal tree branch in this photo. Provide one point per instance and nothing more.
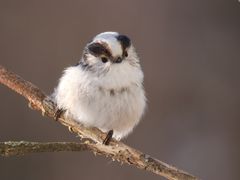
(116, 150)
(13, 148)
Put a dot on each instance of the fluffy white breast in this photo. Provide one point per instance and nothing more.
(121, 75)
(115, 101)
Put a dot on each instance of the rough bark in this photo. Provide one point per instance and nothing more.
(13, 148)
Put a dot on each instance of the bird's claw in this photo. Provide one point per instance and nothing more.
(106, 141)
(58, 114)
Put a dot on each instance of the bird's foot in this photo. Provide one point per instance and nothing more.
(106, 141)
(58, 114)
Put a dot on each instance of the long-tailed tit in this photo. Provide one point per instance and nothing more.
(105, 89)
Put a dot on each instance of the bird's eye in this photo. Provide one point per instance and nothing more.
(125, 54)
(104, 59)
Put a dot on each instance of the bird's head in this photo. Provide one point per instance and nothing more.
(108, 50)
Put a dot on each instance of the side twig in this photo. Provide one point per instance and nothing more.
(116, 150)
(13, 148)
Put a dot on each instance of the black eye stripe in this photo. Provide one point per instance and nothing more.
(124, 40)
(98, 49)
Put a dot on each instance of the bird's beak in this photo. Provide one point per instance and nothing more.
(118, 60)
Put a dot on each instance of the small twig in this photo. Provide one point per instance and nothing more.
(116, 150)
(13, 148)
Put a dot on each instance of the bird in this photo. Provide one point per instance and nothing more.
(105, 88)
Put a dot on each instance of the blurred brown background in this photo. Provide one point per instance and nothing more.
(190, 52)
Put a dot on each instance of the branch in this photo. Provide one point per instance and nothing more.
(116, 150)
(13, 148)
